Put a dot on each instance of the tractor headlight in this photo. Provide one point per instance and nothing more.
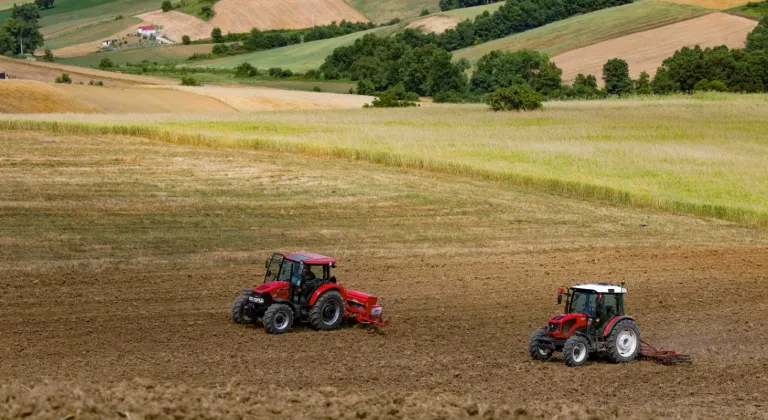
(256, 299)
(377, 311)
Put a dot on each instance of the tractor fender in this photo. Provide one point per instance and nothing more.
(612, 322)
(324, 288)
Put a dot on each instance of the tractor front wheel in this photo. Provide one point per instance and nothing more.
(238, 311)
(623, 342)
(327, 312)
(278, 319)
(535, 349)
(576, 351)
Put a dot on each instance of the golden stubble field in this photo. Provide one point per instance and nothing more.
(120, 257)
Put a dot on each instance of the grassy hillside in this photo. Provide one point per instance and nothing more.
(588, 29)
(380, 11)
(90, 33)
(701, 154)
(299, 57)
(8, 4)
(173, 53)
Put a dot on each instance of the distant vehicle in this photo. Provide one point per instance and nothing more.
(299, 287)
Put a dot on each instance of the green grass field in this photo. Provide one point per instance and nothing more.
(757, 11)
(299, 57)
(8, 4)
(590, 28)
(381, 11)
(75, 13)
(173, 53)
(90, 33)
(701, 155)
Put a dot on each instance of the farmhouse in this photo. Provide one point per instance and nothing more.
(147, 30)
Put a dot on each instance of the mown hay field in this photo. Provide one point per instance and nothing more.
(701, 155)
(383, 11)
(569, 34)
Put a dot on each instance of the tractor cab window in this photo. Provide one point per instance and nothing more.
(317, 272)
(273, 267)
(290, 272)
(613, 305)
(583, 302)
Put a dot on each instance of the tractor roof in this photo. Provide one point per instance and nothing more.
(310, 258)
(600, 288)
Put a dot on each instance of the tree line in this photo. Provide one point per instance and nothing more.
(257, 40)
(460, 4)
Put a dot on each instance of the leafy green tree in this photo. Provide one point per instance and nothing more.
(64, 78)
(424, 12)
(394, 97)
(106, 63)
(499, 69)
(28, 32)
(585, 87)
(189, 81)
(48, 56)
(217, 36)
(166, 6)
(515, 98)
(643, 84)
(663, 84)
(757, 40)
(27, 13)
(616, 77)
(365, 87)
(246, 70)
(186, 40)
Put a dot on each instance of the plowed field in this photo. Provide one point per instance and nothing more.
(645, 51)
(244, 15)
(120, 258)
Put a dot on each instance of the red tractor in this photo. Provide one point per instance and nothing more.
(593, 322)
(300, 287)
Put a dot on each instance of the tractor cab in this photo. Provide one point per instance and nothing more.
(593, 321)
(596, 303)
(304, 273)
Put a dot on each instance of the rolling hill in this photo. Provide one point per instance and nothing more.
(244, 15)
(644, 51)
(380, 11)
(570, 34)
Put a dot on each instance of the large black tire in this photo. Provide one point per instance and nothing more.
(278, 318)
(537, 352)
(576, 351)
(623, 342)
(328, 311)
(238, 311)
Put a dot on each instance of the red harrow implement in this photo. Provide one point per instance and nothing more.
(665, 357)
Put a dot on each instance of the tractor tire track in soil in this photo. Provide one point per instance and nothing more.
(70, 341)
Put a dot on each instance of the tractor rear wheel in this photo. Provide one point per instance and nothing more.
(623, 342)
(576, 351)
(534, 348)
(328, 311)
(278, 319)
(238, 311)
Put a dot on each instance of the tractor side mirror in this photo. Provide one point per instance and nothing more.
(266, 264)
(559, 295)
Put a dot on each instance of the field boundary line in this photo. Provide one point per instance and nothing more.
(570, 189)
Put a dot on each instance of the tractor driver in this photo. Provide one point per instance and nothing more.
(309, 282)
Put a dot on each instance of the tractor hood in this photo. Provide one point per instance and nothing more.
(271, 287)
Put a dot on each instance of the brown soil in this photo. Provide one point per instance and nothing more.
(176, 25)
(145, 100)
(645, 51)
(74, 339)
(48, 72)
(244, 15)
(437, 24)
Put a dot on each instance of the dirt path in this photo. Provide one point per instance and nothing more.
(645, 51)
